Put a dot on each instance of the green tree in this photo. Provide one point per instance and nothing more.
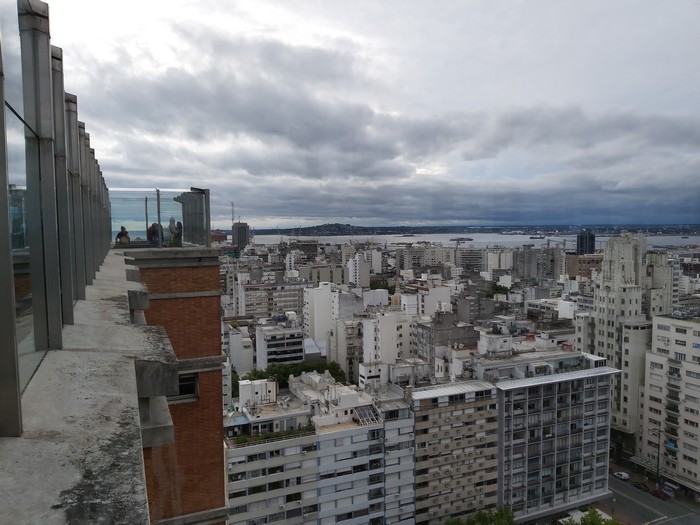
(496, 289)
(281, 372)
(593, 518)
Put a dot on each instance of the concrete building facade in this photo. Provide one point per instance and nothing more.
(456, 449)
(634, 285)
(670, 413)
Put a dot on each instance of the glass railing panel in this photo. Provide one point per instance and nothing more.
(159, 217)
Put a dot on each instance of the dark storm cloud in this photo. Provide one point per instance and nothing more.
(293, 131)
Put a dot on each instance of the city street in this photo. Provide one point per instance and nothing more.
(633, 506)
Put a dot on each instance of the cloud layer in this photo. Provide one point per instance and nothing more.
(305, 113)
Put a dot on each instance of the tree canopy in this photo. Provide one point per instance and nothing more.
(593, 518)
(281, 372)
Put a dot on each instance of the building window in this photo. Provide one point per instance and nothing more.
(187, 388)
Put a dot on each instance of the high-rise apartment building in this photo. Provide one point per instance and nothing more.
(260, 300)
(554, 409)
(554, 440)
(240, 234)
(456, 441)
(634, 285)
(585, 242)
(670, 414)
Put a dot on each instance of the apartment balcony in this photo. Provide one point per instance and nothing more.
(673, 387)
(673, 421)
(675, 409)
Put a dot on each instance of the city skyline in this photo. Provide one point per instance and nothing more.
(479, 113)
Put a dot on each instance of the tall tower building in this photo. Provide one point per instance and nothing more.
(240, 235)
(634, 286)
(585, 243)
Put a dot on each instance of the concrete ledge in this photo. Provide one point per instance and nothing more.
(158, 428)
(174, 257)
(80, 459)
(138, 300)
(207, 516)
(201, 364)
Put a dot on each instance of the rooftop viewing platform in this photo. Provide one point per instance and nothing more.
(160, 218)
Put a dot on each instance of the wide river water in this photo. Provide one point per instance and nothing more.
(483, 240)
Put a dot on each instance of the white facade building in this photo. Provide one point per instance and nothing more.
(634, 285)
(344, 456)
(358, 271)
(317, 311)
(279, 343)
(670, 415)
(387, 335)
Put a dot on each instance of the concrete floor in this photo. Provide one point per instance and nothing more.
(80, 457)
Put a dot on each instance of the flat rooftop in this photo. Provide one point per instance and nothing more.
(451, 389)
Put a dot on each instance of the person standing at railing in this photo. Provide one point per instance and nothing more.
(122, 237)
(177, 236)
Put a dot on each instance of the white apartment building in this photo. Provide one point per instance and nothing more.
(374, 258)
(670, 409)
(498, 259)
(323, 454)
(387, 335)
(634, 285)
(358, 271)
(345, 304)
(420, 299)
(279, 342)
(317, 311)
(239, 347)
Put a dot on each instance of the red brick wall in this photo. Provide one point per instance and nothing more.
(188, 476)
(181, 279)
(188, 323)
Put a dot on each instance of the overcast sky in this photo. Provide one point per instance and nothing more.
(396, 112)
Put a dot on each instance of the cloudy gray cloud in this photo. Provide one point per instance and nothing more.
(389, 115)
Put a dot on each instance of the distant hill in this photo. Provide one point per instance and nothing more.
(337, 229)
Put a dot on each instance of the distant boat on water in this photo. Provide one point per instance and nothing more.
(461, 239)
(537, 237)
